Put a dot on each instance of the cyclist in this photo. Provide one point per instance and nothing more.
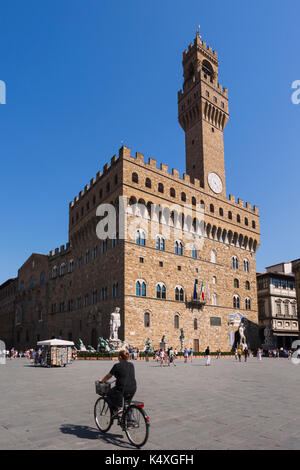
(125, 386)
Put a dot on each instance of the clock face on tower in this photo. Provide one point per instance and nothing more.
(215, 183)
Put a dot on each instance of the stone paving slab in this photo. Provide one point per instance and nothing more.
(228, 405)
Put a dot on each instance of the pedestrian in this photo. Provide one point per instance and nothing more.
(162, 358)
(219, 354)
(186, 354)
(236, 354)
(147, 354)
(171, 357)
(240, 352)
(259, 352)
(191, 354)
(207, 355)
(246, 354)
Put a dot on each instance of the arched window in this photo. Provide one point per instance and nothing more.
(160, 188)
(230, 215)
(195, 324)
(148, 183)
(248, 303)
(183, 197)
(202, 204)
(194, 202)
(253, 224)
(236, 283)
(194, 252)
(221, 212)
(213, 257)
(172, 192)
(62, 269)
(71, 266)
(42, 278)
(176, 322)
(235, 262)
(160, 243)
(238, 218)
(246, 221)
(161, 291)
(207, 69)
(31, 282)
(140, 237)
(247, 285)
(179, 294)
(140, 288)
(246, 265)
(236, 301)
(54, 272)
(211, 208)
(135, 178)
(214, 280)
(178, 248)
(147, 320)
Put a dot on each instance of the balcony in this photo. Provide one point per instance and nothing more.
(192, 302)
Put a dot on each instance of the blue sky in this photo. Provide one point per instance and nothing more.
(83, 76)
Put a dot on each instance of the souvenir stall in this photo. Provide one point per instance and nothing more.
(56, 352)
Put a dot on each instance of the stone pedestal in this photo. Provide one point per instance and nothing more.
(163, 345)
(117, 344)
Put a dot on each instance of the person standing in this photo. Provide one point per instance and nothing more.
(207, 355)
(162, 358)
(171, 357)
(186, 354)
(246, 354)
(191, 354)
(240, 352)
(259, 354)
(219, 354)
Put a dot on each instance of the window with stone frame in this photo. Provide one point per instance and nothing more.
(147, 319)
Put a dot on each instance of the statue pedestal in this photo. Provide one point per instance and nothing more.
(117, 344)
(163, 345)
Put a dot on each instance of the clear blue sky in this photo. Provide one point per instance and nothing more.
(84, 75)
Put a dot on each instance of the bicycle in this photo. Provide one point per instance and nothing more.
(133, 418)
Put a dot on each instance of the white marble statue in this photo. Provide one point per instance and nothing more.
(115, 323)
(243, 342)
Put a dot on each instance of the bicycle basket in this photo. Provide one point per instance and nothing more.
(102, 389)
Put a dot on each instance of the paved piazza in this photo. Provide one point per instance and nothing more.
(228, 405)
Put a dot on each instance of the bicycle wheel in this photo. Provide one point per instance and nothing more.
(136, 426)
(102, 415)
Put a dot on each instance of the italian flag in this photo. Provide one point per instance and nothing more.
(202, 290)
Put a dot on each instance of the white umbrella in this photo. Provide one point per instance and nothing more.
(55, 342)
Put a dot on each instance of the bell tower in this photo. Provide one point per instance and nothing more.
(203, 115)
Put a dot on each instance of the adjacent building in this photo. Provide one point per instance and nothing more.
(193, 276)
(277, 306)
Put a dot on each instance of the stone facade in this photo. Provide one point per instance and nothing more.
(277, 307)
(86, 279)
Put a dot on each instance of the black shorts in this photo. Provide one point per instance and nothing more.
(115, 398)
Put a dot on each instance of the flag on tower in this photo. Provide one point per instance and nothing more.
(195, 290)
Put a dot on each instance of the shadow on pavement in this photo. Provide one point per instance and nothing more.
(86, 432)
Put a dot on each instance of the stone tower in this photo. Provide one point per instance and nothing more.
(203, 115)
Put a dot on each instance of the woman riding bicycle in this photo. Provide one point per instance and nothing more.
(125, 383)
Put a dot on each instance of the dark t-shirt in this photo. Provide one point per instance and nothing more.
(124, 373)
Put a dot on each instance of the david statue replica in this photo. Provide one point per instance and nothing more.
(115, 323)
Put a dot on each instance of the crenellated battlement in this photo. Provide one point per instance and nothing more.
(201, 45)
(99, 175)
(185, 178)
(60, 251)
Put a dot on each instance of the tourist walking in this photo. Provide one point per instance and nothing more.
(207, 355)
(240, 352)
(236, 354)
(171, 357)
(191, 354)
(186, 354)
(162, 357)
(259, 354)
(219, 353)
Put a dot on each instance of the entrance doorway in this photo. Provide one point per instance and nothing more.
(196, 345)
(94, 338)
